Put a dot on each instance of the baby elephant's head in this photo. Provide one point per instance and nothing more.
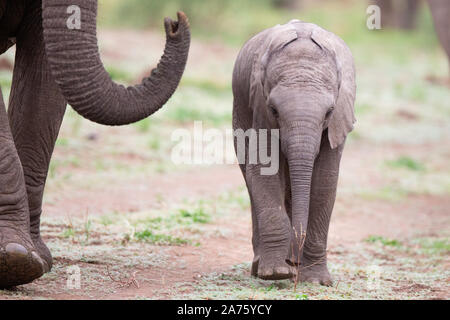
(303, 80)
(302, 83)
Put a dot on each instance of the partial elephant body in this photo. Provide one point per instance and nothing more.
(90, 90)
(440, 9)
(399, 13)
(53, 65)
(297, 78)
(10, 18)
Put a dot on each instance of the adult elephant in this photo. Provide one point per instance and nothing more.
(440, 9)
(57, 62)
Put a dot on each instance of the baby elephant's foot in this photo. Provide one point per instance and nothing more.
(272, 269)
(316, 273)
(19, 261)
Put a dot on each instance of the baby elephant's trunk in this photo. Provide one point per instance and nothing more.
(302, 147)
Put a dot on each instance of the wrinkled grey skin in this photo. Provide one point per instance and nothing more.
(300, 79)
(54, 66)
(440, 10)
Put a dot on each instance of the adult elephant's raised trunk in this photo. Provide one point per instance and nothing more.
(74, 59)
(302, 148)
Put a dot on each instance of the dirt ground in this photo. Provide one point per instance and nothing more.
(186, 267)
(138, 228)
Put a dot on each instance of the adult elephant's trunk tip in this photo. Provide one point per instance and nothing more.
(75, 63)
(176, 28)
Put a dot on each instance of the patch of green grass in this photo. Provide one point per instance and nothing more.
(210, 86)
(389, 193)
(57, 165)
(69, 232)
(106, 220)
(62, 142)
(119, 75)
(5, 83)
(434, 246)
(183, 114)
(144, 125)
(383, 241)
(418, 93)
(238, 198)
(154, 143)
(101, 165)
(87, 230)
(182, 218)
(159, 239)
(405, 162)
(196, 216)
(363, 108)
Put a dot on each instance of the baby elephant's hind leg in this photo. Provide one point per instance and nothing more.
(323, 194)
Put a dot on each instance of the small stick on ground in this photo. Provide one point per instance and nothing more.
(124, 283)
(301, 242)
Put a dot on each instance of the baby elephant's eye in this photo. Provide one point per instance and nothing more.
(274, 111)
(329, 112)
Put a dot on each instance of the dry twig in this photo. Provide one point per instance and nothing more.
(124, 283)
(301, 243)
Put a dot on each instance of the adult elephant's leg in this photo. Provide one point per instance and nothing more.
(272, 225)
(323, 194)
(440, 10)
(36, 111)
(19, 262)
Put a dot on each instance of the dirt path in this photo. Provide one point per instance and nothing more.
(144, 193)
(354, 220)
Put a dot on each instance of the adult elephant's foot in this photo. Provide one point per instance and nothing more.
(39, 244)
(315, 272)
(43, 252)
(19, 261)
(271, 268)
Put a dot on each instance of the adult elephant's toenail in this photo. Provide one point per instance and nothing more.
(37, 258)
(43, 263)
(16, 249)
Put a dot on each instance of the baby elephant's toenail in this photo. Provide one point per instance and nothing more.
(282, 270)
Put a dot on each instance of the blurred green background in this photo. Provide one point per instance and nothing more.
(235, 21)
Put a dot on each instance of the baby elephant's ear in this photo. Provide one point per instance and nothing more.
(277, 37)
(343, 117)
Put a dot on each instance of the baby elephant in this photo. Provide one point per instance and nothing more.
(300, 79)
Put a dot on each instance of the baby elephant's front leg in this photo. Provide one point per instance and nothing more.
(272, 227)
(323, 194)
